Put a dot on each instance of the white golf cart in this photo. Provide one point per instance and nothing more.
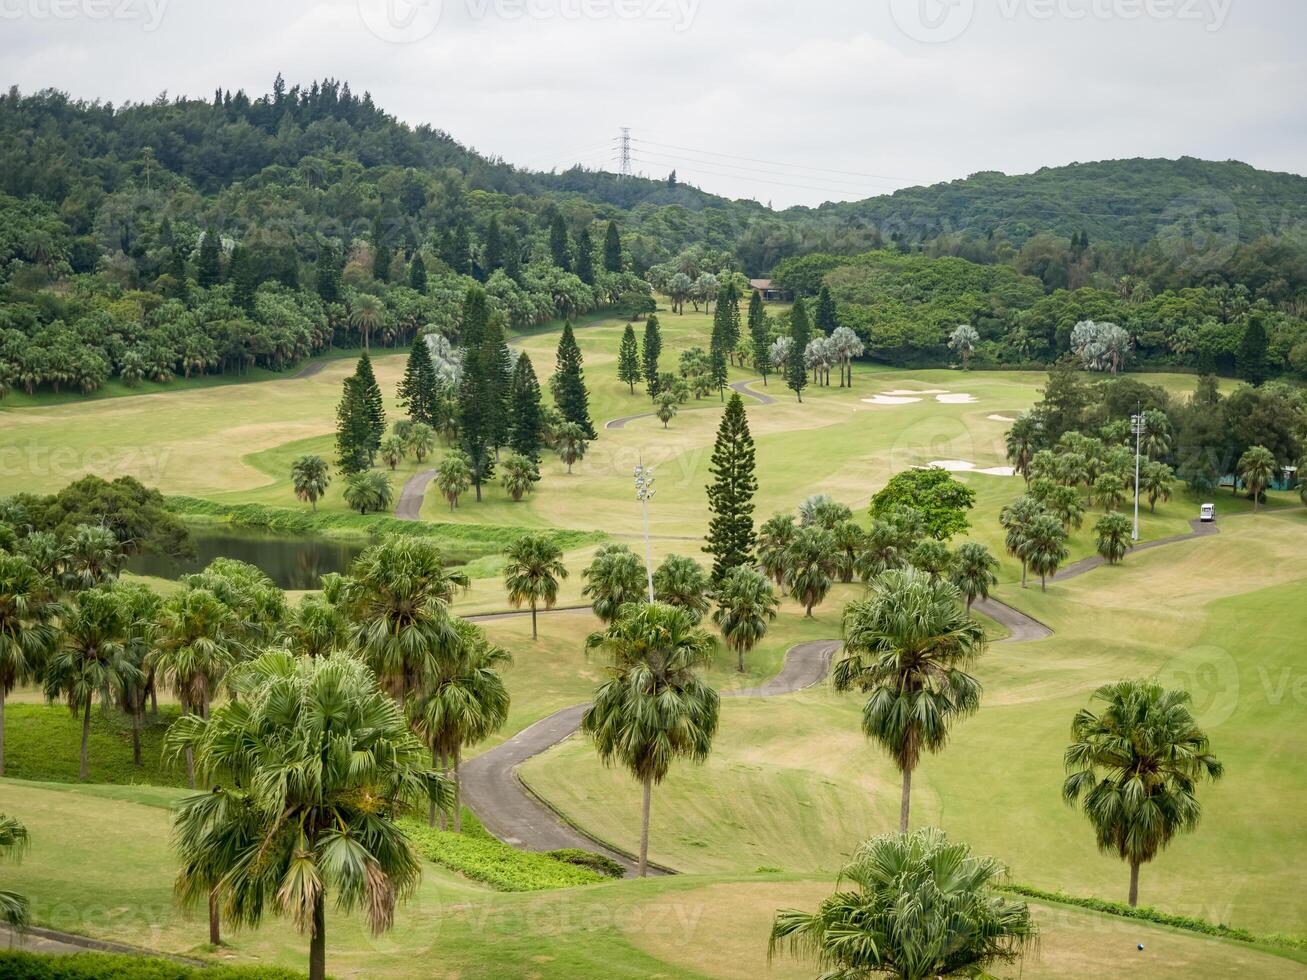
(1208, 514)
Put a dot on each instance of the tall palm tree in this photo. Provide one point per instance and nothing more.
(810, 565)
(454, 476)
(1135, 768)
(974, 571)
(91, 660)
(1022, 440)
(1044, 548)
(463, 702)
(1156, 437)
(367, 315)
(1016, 519)
(1156, 481)
(1257, 470)
(312, 768)
(142, 605)
(774, 537)
(519, 475)
(921, 908)
(532, 573)
(850, 542)
(91, 556)
(315, 628)
(14, 908)
(570, 443)
(613, 579)
(370, 491)
(908, 645)
(746, 603)
(28, 609)
(421, 440)
(1114, 531)
(682, 582)
(654, 709)
(310, 476)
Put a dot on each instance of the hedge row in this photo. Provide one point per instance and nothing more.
(16, 965)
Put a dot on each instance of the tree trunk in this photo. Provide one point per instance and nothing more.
(905, 801)
(644, 826)
(190, 758)
(458, 791)
(1134, 884)
(82, 768)
(154, 701)
(318, 940)
(431, 807)
(1024, 569)
(535, 634)
(2, 730)
(138, 709)
(741, 655)
(215, 933)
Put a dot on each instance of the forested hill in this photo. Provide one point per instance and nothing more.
(1119, 202)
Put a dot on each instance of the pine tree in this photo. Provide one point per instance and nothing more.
(585, 257)
(498, 368)
(328, 273)
(492, 255)
(824, 317)
(512, 255)
(476, 314)
(477, 417)
(208, 267)
(628, 359)
(417, 388)
(568, 383)
(796, 372)
(353, 430)
(241, 273)
(730, 496)
(370, 392)
(559, 249)
(455, 250)
(612, 249)
(719, 345)
(1252, 353)
(382, 255)
(526, 415)
(653, 349)
(758, 336)
(417, 275)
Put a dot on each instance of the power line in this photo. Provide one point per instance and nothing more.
(828, 183)
(778, 163)
(755, 180)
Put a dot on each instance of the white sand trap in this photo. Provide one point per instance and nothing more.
(928, 391)
(1002, 418)
(963, 466)
(959, 399)
(890, 400)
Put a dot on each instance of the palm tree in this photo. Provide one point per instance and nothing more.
(654, 709)
(1156, 481)
(366, 315)
(519, 476)
(142, 605)
(370, 491)
(746, 603)
(931, 557)
(461, 703)
(312, 768)
(1156, 438)
(850, 542)
(908, 645)
(91, 660)
(615, 578)
(570, 443)
(669, 404)
(810, 565)
(90, 556)
(392, 451)
(310, 476)
(1257, 470)
(1022, 439)
(1016, 519)
(1044, 548)
(964, 340)
(315, 628)
(420, 440)
(1114, 533)
(14, 909)
(454, 476)
(27, 634)
(774, 537)
(1135, 768)
(973, 571)
(921, 908)
(1109, 490)
(532, 573)
(681, 582)
(888, 544)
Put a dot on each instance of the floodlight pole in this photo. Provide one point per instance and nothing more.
(1137, 424)
(644, 491)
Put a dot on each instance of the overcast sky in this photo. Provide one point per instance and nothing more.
(793, 102)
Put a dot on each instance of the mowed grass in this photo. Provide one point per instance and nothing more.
(113, 880)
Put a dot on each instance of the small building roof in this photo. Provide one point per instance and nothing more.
(760, 283)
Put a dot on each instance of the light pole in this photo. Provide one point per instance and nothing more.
(1137, 427)
(644, 491)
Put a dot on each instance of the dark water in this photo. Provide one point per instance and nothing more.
(291, 562)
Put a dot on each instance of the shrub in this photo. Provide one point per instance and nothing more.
(16, 965)
(600, 863)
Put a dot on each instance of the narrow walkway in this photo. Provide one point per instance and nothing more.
(741, 386)
(310, 369)
(409, 506)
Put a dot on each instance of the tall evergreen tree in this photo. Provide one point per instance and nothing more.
(375, 406)
(825, 314)
(720, 346)
(512, 255)
(653, 350)
(240, 271)
(492, 254)
(353, 430)
(417, 275)
(417, 389)
(328, 273)
(585, 257)
(382, 256)
(730, 496)
(612, 249)
(1252, 352)
(796, 372)
(758, 336)
(477, 417)
(208, 267)
(476, 314)
(526, 414)
(559, 248)
(568, 383)
(455, 249)
(628, 359)
(498, 368)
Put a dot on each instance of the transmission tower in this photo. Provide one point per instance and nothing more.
(624, 167)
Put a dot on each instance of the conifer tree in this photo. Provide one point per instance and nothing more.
(455, 250)
(418, 388)
(720, 345)
(758, 337)
(492, 254)
(328, 273)
(208, 267)
(730, 496)
(512, 255)
(353, 430)
(370, 392)
(568, 383)
(498, 367)
(381, 252)
(628, 359)
(476, 417)
(612, 249)
(824, 316)
(1251, 360)
(476, 314)
(240, 271)
(559, 248)
(796, 372)
(417, 275)
(585, 257)
(653, 349)
(526, 415)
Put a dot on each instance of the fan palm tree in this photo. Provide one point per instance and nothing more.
(1135, 768)
(315, 628)
(370, 491)
(91, 555)
(142, 605)
(1257, 470)
(14, 908)
(28, 609)
(310, 476)
(1044, 548)
(532, 573)
(746, 603)
(774, 537)
(313, 766)
(682, 582)
(810, 565)
(463, 702)
(615, 578)
(1016, 519)
(973, 571)
(420, 440)
(1156, 481)
(454, 476)
(850, 542)
(1109, 490)
(931, 557)
(1114, 532)
(908, 645)
(964, 340)
(1156, 439)
(890, 541)
(91, 660)
(921, 908)
(654, 708)
(1022, 440)
(392, 451)
(570, 443)
(366, 315)
(519, 476)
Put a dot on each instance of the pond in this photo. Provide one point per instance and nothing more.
(291, 562)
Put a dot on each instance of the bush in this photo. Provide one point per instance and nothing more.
(480, 856)
(588, 859)
(15, 965)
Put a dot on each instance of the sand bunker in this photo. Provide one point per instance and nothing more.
(1002, 418)
(958, 399)
(928, 391)
(963, 466)
(890, 400)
